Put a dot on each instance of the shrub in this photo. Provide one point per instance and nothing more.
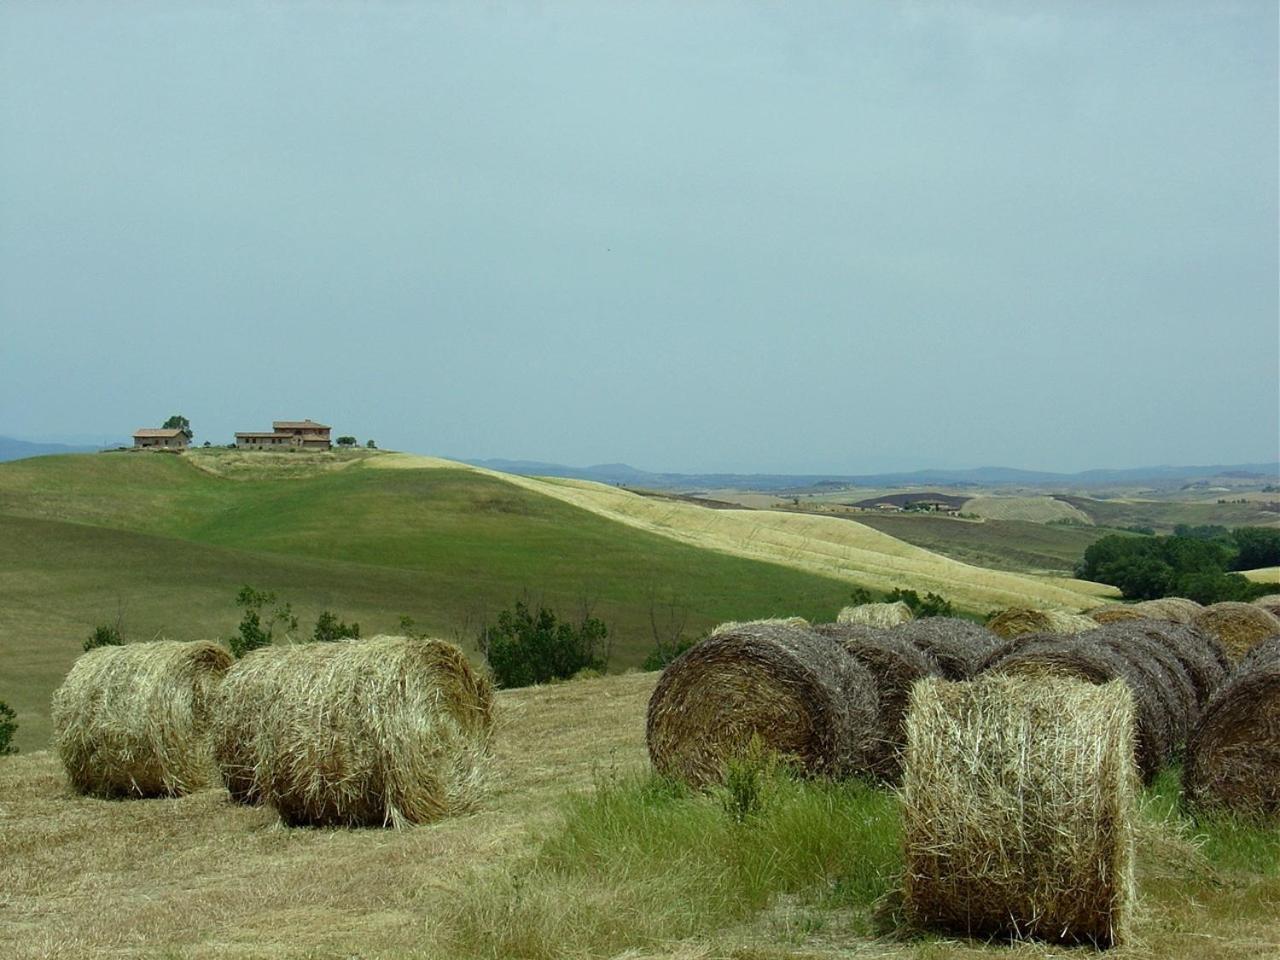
(329, 629)
(104, 635)
(8, 727)
(526, 646)
(664, 651)
(931, 605)
(251, 634)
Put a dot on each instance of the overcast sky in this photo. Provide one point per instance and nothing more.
(746, 236)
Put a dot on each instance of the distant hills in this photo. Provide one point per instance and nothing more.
(621, 473)
(11, 449)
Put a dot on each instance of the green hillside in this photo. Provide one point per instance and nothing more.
(168, 544)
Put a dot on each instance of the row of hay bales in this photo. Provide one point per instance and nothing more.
(383, 731)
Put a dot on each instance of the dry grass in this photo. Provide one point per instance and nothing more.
(1033, 509)
(795, 692)
(829, 546)
(876, 614)
(133, 721)
(1233, 756)
(1019, 808)
(959, 647)
(1237, 626)
(1175, 609)
(731, 625)
(386, 731)
(1020, 620)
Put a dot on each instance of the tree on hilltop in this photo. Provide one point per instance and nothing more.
(178, 422)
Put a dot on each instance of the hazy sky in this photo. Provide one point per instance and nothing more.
(747, 236)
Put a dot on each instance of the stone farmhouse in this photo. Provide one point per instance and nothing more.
(286, 434)
(146, 438)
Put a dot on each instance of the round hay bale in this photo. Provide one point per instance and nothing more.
(876, 614)
(384, 731)
(957, 646)
(1016, 620)
(1173, 609)
(1078, 658)
(1233, 755)
(1168, 678)
(1201, 656)
(1018, 805)
(798, 692)
(1269, 603)
(894, 665)
(133, 720)
(730, 625)
(1237, 626)
(1114, 612)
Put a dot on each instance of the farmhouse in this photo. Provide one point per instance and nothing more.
(146, 438)
(306, 434)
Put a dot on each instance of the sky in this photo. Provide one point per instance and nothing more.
(798, 237)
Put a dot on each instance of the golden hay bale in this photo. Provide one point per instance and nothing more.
(1237, 626)
(876, 614)
(894, 665)
(1052, 655)
(730, 625)
(1019, 620)
(957, 646)
(384, 731)
(1019, 799)
(1233, 755)
(134, 720)
(798, 692)
(1269, 603)
(1173, 609)
(1113, 612)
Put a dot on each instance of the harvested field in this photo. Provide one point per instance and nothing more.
(1237, 626)
(797, 692)
(959, 647)
(1020, 620)
(1033, 509)
(876, 614)
(133, 721)
(894, 664)
(1233, 756)
(1019, 802)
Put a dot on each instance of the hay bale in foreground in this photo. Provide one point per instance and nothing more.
(1269, 603)
(133, 721)
(876, 614)
(1173, 609)
(894, 665)
(385, 731)
(1018, 620)
(1237, 626)
(1051, 655)
(958, 646)
(1233, 755)
(730, 625)
(800, 693)
(1018, 808)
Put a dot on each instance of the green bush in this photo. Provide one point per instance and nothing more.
(931, 605)
(534, 646)
(104, 635)
(329, 629)
(252, 634)
(8, 727)
(664, 652)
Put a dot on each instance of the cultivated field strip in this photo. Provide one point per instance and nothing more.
(832, 547)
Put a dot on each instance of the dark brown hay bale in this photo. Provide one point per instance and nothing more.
(798, 692)
(1233, 755)
(1018, 620)
(1019, 800)
(384, 731)
(1201, 656)
(1114, 612)
(133, 721)
(957, 646)
(1269, 603)
(1166, 675)
(1237, 626)
(894, 664)
(1081, 659)
(876, 614)
(1173, 609)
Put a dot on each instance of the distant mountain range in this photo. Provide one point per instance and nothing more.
(621, 473)
(11, 449)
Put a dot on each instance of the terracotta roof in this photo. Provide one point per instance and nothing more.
(298, 425)
(155, 432)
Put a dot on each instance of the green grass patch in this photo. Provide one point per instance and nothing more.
(641, 860)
